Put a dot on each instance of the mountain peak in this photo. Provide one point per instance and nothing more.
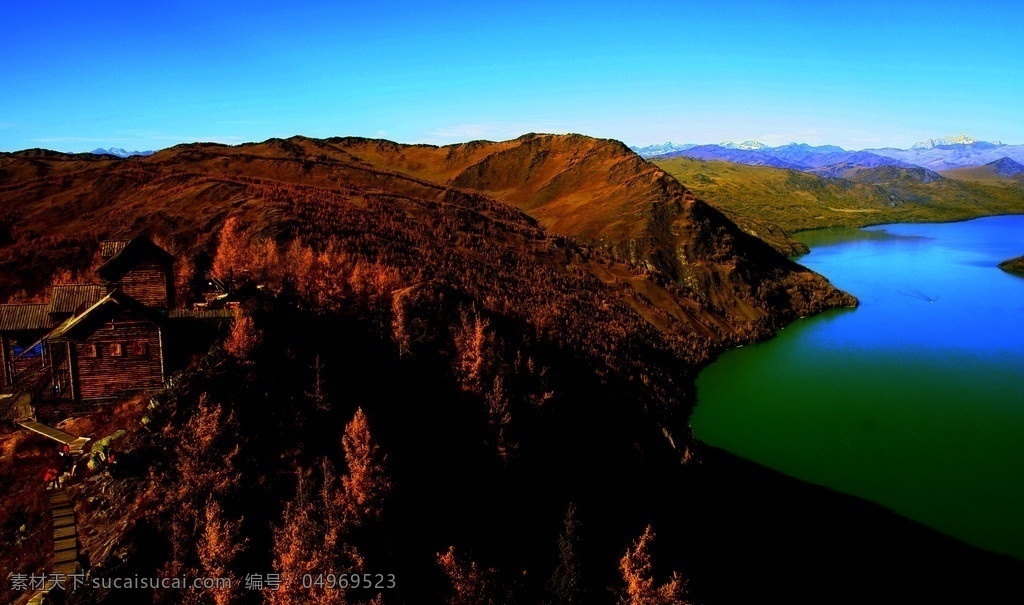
(1005, 166)
(117, 151)
(745, 145)
(958, 139)
(667, 147)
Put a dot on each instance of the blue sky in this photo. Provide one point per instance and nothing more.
(144, 75)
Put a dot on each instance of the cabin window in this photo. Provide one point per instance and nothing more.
(115, 349)
(34, 351)
(139, 348)
(89, 350)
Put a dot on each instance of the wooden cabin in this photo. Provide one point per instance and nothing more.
(140, 269)
(95, 341)
(113, 348)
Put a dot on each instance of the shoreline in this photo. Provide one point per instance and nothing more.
(793, 234)
(1017, 560)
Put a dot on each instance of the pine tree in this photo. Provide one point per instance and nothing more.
(299, 551)
(470, 584)
(472, 344)
(233, 256)
(218, 549)
(638, 575)
(244, 336)
(499, 418)
(566, 586)
(365, 483)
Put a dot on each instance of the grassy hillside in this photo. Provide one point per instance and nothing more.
(796, 200)
(984, 175)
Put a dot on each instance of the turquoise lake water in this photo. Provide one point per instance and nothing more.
(915, 399)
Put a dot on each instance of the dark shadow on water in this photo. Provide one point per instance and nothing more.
(762, 533)
(819, 238)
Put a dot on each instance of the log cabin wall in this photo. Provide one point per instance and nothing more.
(120, 357)
(150, 283)
(13, 365)
(5, 357)
(61, 371)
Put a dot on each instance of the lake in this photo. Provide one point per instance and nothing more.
(915, 399)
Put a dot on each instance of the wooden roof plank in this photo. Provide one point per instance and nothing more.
(69, 298)
(24, 317)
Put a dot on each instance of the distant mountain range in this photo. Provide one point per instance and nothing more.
(121, 153)
(946, 153)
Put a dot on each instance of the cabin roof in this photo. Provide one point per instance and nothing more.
(24, 317)
(113, 301)
(74, 297)
(124, 254)
(112, 247)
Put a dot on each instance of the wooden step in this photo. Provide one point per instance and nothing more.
(68, 521)
(65, 556)
(59, 498)
(65, 544)
(60, 513)
(66, 569)
(63, 532)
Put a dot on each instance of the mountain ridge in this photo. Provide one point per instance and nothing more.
(960, 151)
(593, 190)
(847, 195)
(119, 152)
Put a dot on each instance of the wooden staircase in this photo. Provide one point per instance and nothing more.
(65, 542)
(65, 534)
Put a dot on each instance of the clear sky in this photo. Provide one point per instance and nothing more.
(145, 75)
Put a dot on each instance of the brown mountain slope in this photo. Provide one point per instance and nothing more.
(602, 193)
(731, 286)
(507, 371)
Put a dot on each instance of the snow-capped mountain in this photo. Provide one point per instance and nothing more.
(745, 145)
(961, 151)
(945, 153)
(121, 153)
(652, 150)
(958, 139)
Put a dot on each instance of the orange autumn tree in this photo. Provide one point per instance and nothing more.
(244, 336)
(638, 575)
(473, 347)
(366, 484)
(300, 552)
(219, 547)
(240, 256)
(233, 252)
(470, 583)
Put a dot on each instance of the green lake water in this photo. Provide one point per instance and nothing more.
(915, 399)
